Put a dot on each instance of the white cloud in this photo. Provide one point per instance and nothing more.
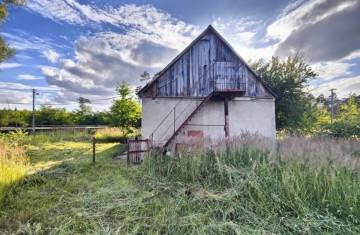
(243, 29)
(306, 14)
(9, 65)
(57, 10)
(151, 40)
(28, 77)
(240, 33)
(94, 72)
(23, 56)
(51, 55)
(23, 98)
(12, 97)
(19, 86)
(144, 22)
(330, 70)
(353, 55)
(343, 87)
(23, 41)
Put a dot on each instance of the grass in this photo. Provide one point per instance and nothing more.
(248, 190)
(113, 134)
(13, 163)
(236, 187)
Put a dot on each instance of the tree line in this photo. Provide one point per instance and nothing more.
(124, 112)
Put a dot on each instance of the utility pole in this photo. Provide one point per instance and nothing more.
(8, 103)
(33, 112)
(332, 104)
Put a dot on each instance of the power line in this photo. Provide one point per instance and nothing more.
(72, 102)
(106, 98)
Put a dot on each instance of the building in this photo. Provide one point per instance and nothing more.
(208, 90)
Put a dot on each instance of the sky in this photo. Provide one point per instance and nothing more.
(68, 49)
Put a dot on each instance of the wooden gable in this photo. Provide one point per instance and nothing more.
(208, 63)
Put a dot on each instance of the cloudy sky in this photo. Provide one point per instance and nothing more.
(72, 48)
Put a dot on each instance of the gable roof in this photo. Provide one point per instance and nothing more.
(210, 28)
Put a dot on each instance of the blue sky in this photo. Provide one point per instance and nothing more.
(68, 48)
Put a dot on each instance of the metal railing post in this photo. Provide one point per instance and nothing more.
(174, 119)
(94, 149)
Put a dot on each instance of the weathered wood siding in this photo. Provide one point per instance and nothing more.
(209, 64)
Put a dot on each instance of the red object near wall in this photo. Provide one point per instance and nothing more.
(196, 134)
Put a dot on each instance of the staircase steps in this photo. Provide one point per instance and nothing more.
(197, 109)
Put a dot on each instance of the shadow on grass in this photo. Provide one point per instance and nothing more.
(58, 189)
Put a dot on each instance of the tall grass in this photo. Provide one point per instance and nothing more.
(302, 186)
(57, 136)
(13, 162)
(246, 185)
(114, 134)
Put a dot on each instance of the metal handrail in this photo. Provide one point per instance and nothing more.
(214, 88)
(152, 134)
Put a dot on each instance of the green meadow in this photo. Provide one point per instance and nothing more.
(49, 185)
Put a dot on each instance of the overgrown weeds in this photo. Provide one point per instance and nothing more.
(301, 187)
(113, 134)
(241, 186)
(13, 162)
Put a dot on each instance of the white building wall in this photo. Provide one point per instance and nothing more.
(252, 115)
(245, 115)
(160, 114)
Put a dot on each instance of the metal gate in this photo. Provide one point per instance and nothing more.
(137, 150)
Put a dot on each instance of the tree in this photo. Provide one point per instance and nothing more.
(125, 112)
(325, 102)
(6, 52)
(83, 115)
(48, 115)
(288, 79)
(15, 117)
(144, 78)
(347, 124)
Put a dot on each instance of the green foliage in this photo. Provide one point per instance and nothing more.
(84, 114)
(346, 123)
(124, 90)
(344, 129)
(47, 115)
(350, 111)
(288, 78)
(5, 51)
(15, 117)
(14, 138)
(125, 112)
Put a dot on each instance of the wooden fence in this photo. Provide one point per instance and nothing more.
(137, 150)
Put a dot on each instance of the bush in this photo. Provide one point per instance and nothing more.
(344, 129)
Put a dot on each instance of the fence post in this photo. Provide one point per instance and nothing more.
(94, 142)
(128, 151)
